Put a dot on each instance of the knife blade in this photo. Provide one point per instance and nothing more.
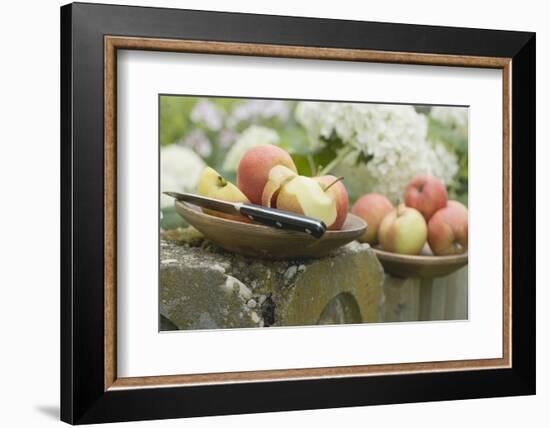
(279, 219)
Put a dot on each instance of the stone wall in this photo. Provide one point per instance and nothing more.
(205, 287)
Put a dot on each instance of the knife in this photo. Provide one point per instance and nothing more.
(272, 217)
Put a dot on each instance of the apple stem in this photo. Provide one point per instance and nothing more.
(311, 164)
(333, 183)
(343, 153)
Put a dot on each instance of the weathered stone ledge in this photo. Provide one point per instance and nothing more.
(205, 287)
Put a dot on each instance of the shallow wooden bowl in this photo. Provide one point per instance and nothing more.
(265, 242)
(424, 265)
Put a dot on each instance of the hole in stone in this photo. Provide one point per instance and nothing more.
(342, 309)
(268, 311)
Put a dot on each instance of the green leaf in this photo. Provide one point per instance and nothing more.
(302, 165)
(363, 158)
(451, 137)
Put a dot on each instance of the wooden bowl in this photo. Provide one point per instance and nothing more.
(265, 242)
(425, 265)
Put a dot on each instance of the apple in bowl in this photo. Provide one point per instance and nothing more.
(448, 230)
(256, 166)
(427, 194)
(334, 188)
(403, 231)
(212, 185)
(372, 208)
(323, 198)
(304, 195)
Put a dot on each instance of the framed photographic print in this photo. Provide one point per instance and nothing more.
(264, 213)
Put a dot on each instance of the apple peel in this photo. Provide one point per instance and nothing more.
(279, 175)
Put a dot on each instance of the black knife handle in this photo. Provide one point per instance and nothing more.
(284, 220)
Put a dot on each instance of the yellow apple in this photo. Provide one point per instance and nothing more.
(213, 185)
(403, 231)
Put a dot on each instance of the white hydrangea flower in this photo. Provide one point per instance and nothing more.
(444, 163)
(309, 115)
(253, 136)
(392, 137)
(180, 169)
(208, 113)
(455, 118)
(254, 110)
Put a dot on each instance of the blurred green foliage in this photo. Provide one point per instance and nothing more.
(171, 219)
(174, 117)
(457, 143)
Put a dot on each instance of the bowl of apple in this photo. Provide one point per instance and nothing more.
(426, 236)
(267, 176)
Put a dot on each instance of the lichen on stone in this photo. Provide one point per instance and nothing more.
(183, 235)
(233, 284)
(289, 273)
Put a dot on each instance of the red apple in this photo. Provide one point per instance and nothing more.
(427, 194)
(448, 230)
(255, 166)
(335, 189)
(372, 208)
(403, 231)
